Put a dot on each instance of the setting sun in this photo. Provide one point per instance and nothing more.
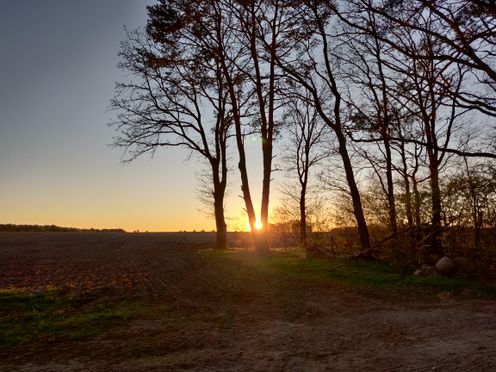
(258, 225)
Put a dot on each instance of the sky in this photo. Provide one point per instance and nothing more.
(58, 68)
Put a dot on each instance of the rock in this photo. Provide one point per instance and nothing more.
(429, 270)
(445, 266)
(426, 270)
(465, 265)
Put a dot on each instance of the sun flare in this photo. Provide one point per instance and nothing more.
(258, 225)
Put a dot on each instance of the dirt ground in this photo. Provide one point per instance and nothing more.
(204, 314)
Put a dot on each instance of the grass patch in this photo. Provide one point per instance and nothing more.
(55, 316)
(355, 272)
(379, 275)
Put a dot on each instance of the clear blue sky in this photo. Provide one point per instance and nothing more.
(57, 74)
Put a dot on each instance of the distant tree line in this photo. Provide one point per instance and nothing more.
(50, 228)
(391, 105)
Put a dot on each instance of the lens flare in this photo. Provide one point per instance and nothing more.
(258, 225)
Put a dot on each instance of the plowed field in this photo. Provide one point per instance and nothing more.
(207, 311)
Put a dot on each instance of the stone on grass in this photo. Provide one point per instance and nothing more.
(429, 270)
(445, 266)
(426, 270)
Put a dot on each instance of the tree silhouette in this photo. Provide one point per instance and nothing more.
(177, 97)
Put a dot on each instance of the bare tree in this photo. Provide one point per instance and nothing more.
(177, 97)
(307, 133)
(425, 87)
(224, 44)
(310, 65)
(373, 112)
(262, 28)
(437, 114)
(466, 29)
(469, 196)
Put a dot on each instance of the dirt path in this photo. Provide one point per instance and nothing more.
(205, 314)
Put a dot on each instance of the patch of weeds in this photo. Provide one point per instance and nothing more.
(359, 273)
(56, 316)
(373, 274)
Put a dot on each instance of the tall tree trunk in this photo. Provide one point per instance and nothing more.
(418, 201)
(338, 130)
(406, 185)
(390, 187)
(266, 108)
(263, 241)
(245, 186)
(303, 217)
(220, 223)
(477, 229)
(355, 194)
(436, 208)
(408, 202)
(385, 130)
(219, 191)
(476, 214)
(327, 75)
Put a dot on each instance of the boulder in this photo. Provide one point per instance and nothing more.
(426, 270)
(445, 266)
(465, 265)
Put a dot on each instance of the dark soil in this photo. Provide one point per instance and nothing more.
(204, 312)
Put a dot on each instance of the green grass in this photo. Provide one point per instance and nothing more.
(358, 273)
(371, 274)
(55, 316)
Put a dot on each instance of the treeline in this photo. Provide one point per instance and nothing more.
(50, 228)
(388, 106)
